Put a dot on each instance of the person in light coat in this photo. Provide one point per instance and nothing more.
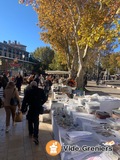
(9, 92)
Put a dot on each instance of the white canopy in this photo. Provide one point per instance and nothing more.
(57, 72)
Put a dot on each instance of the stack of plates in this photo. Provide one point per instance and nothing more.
(75, 136)
(92, 106)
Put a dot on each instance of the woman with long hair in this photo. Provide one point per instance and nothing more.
(9, 92)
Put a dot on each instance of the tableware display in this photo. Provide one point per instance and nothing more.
(92, 106)
(79, 126)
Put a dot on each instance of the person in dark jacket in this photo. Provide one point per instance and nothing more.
(34, 98)
(18, 82)
(47, 85)
(4, 81)
(27, 88)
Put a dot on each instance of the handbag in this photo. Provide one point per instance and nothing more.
(14, 100)
(18, 116)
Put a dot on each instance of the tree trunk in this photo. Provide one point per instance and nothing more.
(68, 61)
(73, 71)
(79, 78)
(81, 72)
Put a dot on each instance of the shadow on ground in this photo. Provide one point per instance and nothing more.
(88, 92)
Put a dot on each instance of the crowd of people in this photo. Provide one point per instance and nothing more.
(36, 93)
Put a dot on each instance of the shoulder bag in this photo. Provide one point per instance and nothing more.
(18, 116)
(14, 101)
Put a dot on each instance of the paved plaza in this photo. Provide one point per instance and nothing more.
(16, 145)
(103, 90)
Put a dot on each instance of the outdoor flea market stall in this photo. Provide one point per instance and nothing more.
(58, 72)
(90, 122)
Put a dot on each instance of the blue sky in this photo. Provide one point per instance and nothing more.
(18, 22)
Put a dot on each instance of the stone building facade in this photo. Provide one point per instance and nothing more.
(14, 57)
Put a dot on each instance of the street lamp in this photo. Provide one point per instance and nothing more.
(23, 56)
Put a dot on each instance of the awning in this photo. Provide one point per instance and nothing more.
(57, 72)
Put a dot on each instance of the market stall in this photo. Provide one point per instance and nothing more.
(76, 122)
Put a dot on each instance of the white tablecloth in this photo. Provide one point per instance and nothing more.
(59, 135)
(87, 122)
(56, 104)
(109, 105)
(86, 117)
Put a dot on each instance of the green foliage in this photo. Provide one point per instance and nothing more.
(105, 62)
(59, 62)
(111, 62)
(45, 56)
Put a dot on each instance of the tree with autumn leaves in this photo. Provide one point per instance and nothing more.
(77, 27)
(111, 63)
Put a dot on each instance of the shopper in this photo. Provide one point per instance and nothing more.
(19, 81)
(34, 99)
(9, 92)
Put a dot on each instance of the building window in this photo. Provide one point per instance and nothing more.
(5, 48)
(18, 56)
(1, 47)
(17, 53)
(13, 51)
(5, 54)
(9, 55)
(10, 50)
